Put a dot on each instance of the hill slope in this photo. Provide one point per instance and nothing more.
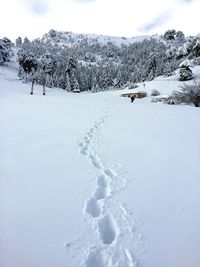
(94, 180)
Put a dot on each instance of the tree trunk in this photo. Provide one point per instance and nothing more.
(44, 92)
(197, 102)
(33, 81)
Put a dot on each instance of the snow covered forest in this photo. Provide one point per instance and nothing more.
(94, 63)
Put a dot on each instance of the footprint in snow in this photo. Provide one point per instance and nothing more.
(96, 161)
(102, 181)
(98, 258)
(123, 258)
(93, 208)
(110, 173)
(108, 229)
(91, 133)
(84, 151)
(102, 192)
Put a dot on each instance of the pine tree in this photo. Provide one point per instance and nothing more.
(73, 82)
(18, 42)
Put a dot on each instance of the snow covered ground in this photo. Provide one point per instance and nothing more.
(97, 181)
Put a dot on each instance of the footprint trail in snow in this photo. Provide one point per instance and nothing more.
(108, 252)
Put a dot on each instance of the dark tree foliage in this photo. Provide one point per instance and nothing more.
(27, 61)
(169, 35)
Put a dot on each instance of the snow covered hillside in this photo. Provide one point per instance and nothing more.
(98, 63)
(70, 38)
(93, 180)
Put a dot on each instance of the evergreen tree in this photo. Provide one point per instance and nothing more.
(169, 35)
(18, 42)
(6, 51)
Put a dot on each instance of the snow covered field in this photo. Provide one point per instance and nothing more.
(97, 181)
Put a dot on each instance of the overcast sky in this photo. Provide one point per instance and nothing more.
(33, 18)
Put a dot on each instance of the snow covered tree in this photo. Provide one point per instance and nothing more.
(152, 67)
(169, 35)
(18, 42)
(61, 81)
(90, 57)
(122, 77)
(6, 51)
(67, 82)
(183, 50)
(105, 79)
(48, 63)
(27, 61)
(196, 48)
(52, 33)
(1, 58)
(71, 82)
(72, 63)
(180, 37)
(74, 86)
(96, 88)
(26, 43)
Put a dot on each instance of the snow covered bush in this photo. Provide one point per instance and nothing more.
(155, 93)
(189, 94)
(197, 61)
(185, 71)
(185, 74)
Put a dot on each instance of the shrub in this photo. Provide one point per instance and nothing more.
(155, 93)
(185, 74)
(189, 94)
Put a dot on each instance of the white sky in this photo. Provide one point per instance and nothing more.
(33, 18)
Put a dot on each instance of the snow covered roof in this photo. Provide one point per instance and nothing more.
(133, 91)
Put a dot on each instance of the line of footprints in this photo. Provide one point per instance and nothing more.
(107, 226)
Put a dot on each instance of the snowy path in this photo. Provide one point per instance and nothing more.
(110, 228)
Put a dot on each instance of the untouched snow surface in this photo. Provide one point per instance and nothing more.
(97, 181)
